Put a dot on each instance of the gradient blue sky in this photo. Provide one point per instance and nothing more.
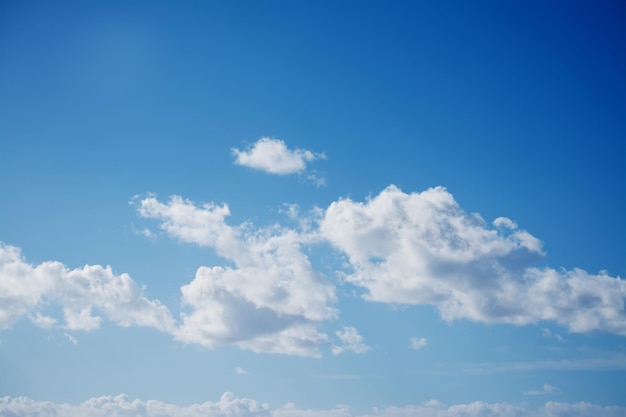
(517, 108)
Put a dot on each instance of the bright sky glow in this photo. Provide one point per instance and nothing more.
(312, 209)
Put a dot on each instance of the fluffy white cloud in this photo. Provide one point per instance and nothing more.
(415, 343)
(231, 405)
(351, 340)
(83, 294)
(273, 156)
(422, 248)
(269, 300)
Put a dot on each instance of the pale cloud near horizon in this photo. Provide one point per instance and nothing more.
(274, 157)
(230, 405)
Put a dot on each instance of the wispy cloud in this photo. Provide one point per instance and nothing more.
(240, 371)
(547, 333)
(351, 340)
(415, 343)
(274, 157)
(70, 338)
(547, 389)
(613, 361)
(43, 321)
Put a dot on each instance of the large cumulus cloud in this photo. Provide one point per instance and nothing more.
(422, 248)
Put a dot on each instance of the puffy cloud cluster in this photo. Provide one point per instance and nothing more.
(422, 248)
(84, 294)
(351, 340)
(231, 405)
(273, 156)
(417, 248)
(270, 300)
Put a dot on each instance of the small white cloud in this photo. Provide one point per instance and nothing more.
(146, 233)
(415, 343)
(292, 210)
(550, 335)
(547, 389)
(351, 341)
(316, 179)
(71, 338)
(240, 371)
(273, 156)
(505, 222)
(45, 322)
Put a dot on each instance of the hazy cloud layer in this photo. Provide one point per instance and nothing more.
(422, 248)
(84, 294)
(273, 156)
(231, 405)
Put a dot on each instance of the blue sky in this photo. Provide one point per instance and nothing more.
(340, 208)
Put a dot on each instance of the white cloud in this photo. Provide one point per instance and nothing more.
(273, 156)
(351, 340)
(240, 371)
(415, 343)
(547, 389)
(121, 405)
(422, 248)
(70, 338)
(231, 405)
(547, 333)
(82, 293)
(45, 322)
(269, 300)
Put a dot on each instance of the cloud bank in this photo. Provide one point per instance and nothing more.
(273, 156)
(84, 295)
(231, 405)
(417, 248)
